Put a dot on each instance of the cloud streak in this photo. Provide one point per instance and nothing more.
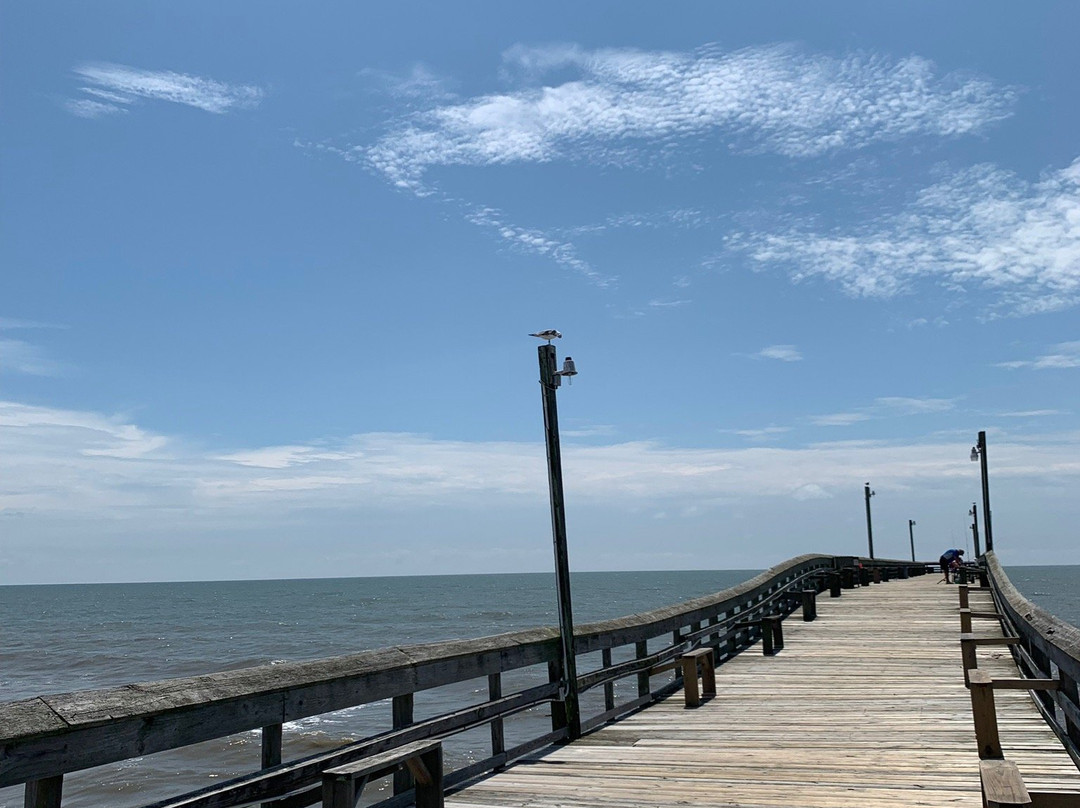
(777, 99)
(978, 229)
(782, 353)
(1065, 355)
(113, 88)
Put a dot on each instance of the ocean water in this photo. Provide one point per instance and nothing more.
(70, 637)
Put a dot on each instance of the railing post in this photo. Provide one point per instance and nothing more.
(809, 605)
(402, 707)
(641, 650)
(733, 640)
(985, 716)
(271, 750)
(498, 732)
(609, 687)
(44, 793)
(834, 584)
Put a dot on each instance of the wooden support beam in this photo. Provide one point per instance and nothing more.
(963, 591)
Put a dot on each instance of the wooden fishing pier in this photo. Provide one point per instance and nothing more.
(828, 682)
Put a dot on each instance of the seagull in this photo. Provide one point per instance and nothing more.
(549, 335)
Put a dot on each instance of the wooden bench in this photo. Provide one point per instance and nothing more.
(341, 786)
(690, 661)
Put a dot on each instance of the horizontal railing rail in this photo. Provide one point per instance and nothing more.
(45, 738)
(1048, 649)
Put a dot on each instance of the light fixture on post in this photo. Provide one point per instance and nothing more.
(869, 524)
(974, 514)
(911, 535)
(978, 453)
(550, 379)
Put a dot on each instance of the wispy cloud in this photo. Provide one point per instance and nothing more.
(563, 252)
(22, 357)
(1032, 413)
(766, 433)
(886, 407)
(113, 88)
(778, 99)
(782, 353)
(915, 406)
(839, 419)
(18, 356)
(981, 228)
(418, 83)
(1065, 355)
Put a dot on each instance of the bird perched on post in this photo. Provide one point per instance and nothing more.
(549, 335)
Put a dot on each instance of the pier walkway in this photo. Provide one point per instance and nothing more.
(865, 707)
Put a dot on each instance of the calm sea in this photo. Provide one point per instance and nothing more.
(60, 638)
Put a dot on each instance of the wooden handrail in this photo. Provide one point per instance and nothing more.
(1042, 642)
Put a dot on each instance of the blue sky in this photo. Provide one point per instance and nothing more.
(268, 272)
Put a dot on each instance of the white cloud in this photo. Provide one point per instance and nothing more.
(112, 88)
(1065, 355)
(810, 491)
(88, 108)
(783, 353)
(915, 406)
(839, 419)
(87, 463)
(978, 229)
(113, 493)
(774, 98)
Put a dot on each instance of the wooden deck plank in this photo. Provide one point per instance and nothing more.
(864, 708)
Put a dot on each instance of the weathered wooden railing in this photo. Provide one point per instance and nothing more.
(1045, 649)
(44, 738)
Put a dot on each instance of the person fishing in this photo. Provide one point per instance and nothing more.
(947, 560)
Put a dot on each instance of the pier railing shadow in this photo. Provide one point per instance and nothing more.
(45, 738)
